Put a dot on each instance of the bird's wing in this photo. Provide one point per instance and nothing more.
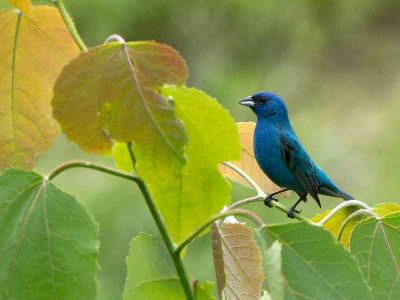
(299, 163)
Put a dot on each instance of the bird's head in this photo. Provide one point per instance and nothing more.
(267, 105)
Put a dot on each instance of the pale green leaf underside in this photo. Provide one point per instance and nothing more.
(237, 261)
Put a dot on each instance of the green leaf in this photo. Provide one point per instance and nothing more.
(315, 266)
(384, 209)
(273, 263)
(33, 50)
(203, 291)
(48, 241)
(151, 273)
(376, 245)
(237, 261)
(201, 191)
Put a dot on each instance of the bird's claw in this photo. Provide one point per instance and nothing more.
(268, 200)
(291, 212)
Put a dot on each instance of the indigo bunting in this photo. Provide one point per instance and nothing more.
(282, 157)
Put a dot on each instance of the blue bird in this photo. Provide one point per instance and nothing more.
(282, 157)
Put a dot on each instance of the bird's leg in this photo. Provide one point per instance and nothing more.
(293, 210)
(270, 197)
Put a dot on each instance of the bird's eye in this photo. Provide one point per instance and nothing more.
(260, 99)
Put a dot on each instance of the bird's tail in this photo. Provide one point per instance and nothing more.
(334, 191)
(345, 196)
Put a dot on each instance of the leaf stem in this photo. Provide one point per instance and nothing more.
(70, 24)
(89, 165)
(357, 213)
(245, 201)
(340, 207)
(129, 145)
(234, 212)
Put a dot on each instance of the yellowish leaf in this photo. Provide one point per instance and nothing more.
(32, 52)
(383, 209)
(22, 5)
(334, 224)
(248, 163)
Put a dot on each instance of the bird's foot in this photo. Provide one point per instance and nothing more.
(268, 200)
(291, 212)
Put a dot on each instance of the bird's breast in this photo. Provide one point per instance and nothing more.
(267, 150)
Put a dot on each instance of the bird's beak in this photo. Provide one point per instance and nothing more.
(248, 101)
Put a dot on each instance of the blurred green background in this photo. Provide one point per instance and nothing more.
(334, 62)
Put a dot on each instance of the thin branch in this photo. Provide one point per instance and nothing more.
(234, 212)
(340, 207)
(70, 24)
(275, 204)
(357, 213)
(245, 201)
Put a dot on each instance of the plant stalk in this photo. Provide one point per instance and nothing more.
(340, 207)
(167, 239)
(70, 24)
